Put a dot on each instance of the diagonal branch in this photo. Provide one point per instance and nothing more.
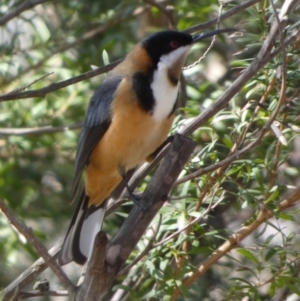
(18, 10)
(29, 274)
(39, 247)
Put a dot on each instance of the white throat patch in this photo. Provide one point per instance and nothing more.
(165, 93)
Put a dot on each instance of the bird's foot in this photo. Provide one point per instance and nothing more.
(136, 198)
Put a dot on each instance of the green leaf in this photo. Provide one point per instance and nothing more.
(182, 288)
(248, 254)
(285, 216)
(105, 57)
(271, 253)
(258, 176)
(291, 283)
(272, 290)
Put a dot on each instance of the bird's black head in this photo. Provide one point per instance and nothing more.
(165, 42)
(167, 50)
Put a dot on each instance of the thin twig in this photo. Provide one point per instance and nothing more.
(39, 247)
(211, 43)
(224, 16)
(32, 294)
(38, 131)
(30, 84)
(282, 98)
(210, 207)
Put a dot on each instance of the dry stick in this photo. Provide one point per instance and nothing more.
(29, 274)
(39, 247)
(56, 86)
(263, 215)
(21, 8)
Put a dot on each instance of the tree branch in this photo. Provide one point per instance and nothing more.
(56, 86)
(39, 247)
(18, 10)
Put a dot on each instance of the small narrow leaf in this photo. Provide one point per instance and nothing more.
(248, 254)
(105, 57)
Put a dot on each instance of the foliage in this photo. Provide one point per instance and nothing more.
(59, 40)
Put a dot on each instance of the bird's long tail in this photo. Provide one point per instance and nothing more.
(86, 223)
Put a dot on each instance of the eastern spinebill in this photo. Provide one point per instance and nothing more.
(128, 118)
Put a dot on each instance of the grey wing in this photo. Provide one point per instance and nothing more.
(97, 121)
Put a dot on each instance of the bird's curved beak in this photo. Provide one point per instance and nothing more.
(204, 35)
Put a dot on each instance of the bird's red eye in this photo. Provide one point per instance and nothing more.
(174, 44)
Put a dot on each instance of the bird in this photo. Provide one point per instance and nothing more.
(128, 118)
